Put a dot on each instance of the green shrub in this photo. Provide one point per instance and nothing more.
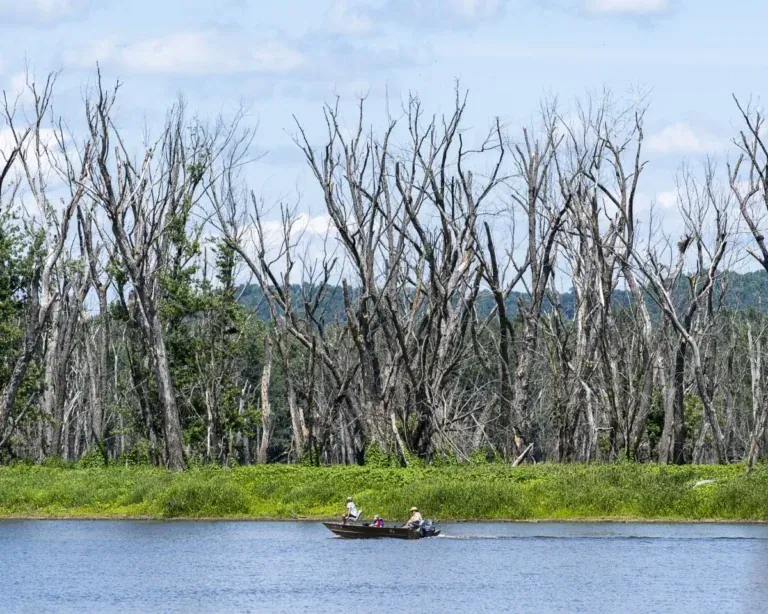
(137, 456)
(92, 460)
(376, 457)
(200, 499)
(476, 491)
(56, 462)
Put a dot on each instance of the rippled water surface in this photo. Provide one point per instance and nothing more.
(98, 566)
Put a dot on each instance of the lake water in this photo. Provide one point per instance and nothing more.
(100, 566)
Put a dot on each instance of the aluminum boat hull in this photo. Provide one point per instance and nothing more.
(357, 531)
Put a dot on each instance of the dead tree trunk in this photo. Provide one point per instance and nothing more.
(266, 410)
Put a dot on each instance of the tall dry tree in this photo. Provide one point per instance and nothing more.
(545, 199)
(750, 188)
(605, 148)
(270, 259)
(98, 331)
(38, 148)
(142, 198)
(701, 202)
(403, 216)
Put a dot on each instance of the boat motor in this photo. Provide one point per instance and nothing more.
(426, 528)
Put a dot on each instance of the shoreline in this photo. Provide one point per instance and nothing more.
(130, 518)
(458, 494)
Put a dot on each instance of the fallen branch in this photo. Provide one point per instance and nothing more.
(520, 458)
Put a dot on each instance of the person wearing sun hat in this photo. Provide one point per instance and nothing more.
(415, 520)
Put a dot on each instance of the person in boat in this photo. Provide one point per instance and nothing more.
(377, 522)
(415, 520)
(352, 512)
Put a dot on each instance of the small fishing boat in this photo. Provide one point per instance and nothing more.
(366, 531)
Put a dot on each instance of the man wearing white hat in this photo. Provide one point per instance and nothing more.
(415, 520)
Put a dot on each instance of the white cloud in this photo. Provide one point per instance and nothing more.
(681, 138)
(308, 240)
(50, 160)
(17, 84)
(41, 11)
(304, 226)
(360, 16)
(627, 7)
(313, 225)
(418, 14)
(8, 143)
(477, 10)
(17, 91)
(192, 53)
(98, 50)
(346, 18)
(667, 199)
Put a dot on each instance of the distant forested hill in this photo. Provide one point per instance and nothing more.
(742, 291)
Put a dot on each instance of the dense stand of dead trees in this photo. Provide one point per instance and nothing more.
(429, 319)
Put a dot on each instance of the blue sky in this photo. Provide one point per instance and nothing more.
(286, 58)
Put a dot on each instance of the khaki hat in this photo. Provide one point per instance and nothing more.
(414, 509)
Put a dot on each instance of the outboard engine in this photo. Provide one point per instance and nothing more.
(427, 528)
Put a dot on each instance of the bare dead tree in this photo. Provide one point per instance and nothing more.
(141, 199)
(606, 146)
(266, 412)
(759, 398)
(699, 201)
(538, 195)
(96, 346)
(750, 188)
(34, 149)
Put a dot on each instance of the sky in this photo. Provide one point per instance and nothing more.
(285, 59)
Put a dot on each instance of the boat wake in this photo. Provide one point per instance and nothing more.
(443, 536)
(605, 537)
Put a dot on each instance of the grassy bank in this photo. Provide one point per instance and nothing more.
(488, 492)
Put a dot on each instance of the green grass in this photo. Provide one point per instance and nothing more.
(472, 492)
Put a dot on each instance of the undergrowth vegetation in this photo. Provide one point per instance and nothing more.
(473, 492)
